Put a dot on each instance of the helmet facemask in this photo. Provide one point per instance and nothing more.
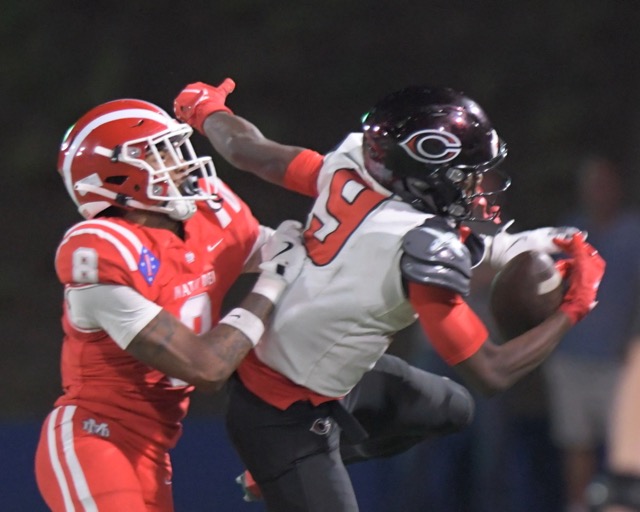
(130, 154)
(469, 192)
(177, 177)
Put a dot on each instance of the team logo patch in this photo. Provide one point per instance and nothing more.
(93, 427)
(321, 426)
(432, 146)
(148, 265)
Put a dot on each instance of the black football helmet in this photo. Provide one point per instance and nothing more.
(432, 147)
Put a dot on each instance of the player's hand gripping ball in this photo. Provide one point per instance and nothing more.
(525, 292)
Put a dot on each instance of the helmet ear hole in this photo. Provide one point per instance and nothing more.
(115, 180)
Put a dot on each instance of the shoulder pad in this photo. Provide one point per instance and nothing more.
(99, 251)
(434, 255)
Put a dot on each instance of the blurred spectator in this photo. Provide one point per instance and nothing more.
(583, 371)
(618, 488)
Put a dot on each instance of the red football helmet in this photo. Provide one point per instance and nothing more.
(131, 154)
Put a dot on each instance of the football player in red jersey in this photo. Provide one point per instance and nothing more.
(386, 244)
(144, 277)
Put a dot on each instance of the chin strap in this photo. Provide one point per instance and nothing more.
(180, 210)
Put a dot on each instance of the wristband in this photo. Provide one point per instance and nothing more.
(270, 286)
(246, 322)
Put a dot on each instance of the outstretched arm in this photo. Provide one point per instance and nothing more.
(461, 339)
(237, 140)
(460, 336)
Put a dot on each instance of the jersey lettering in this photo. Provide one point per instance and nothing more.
(349, 201)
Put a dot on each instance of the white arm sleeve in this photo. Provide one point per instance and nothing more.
(118, 310)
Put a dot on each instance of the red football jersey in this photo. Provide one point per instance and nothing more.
(188, 278)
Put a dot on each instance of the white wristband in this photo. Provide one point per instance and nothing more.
(270, 286)
(246, 322)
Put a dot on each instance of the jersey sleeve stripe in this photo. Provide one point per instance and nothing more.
(135, 241)
(77, 475)
(124, 251)
(55, 459)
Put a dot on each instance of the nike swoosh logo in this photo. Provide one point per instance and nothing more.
(288, 246)
(211, 247)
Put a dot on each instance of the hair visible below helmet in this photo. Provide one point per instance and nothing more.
(431, 147)
(131, 154)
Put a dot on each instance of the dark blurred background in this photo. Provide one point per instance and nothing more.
(558, 79)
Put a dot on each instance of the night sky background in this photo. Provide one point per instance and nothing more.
(559, 79)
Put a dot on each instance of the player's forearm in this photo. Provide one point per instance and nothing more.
(205, 361)
(228, 345)
(523, 354)
(242, 144)
(495, 368)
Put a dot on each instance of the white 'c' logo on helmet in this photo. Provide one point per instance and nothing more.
(432, 146)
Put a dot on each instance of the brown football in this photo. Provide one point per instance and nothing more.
(526, 291)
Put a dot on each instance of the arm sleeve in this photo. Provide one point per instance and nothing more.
(453, 328)
(302, 173)
(120, 311)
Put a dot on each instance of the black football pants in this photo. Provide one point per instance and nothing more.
(298, 456)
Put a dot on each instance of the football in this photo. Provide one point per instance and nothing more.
(526, 291)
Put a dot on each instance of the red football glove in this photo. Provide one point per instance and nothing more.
(198, 100)
(585, 270)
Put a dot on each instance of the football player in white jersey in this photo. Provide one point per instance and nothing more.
(144, 276)
(386, 244)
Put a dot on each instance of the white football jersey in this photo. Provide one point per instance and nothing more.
(335, 320)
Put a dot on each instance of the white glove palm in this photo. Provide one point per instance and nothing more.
(282, 258)
(503, 246)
